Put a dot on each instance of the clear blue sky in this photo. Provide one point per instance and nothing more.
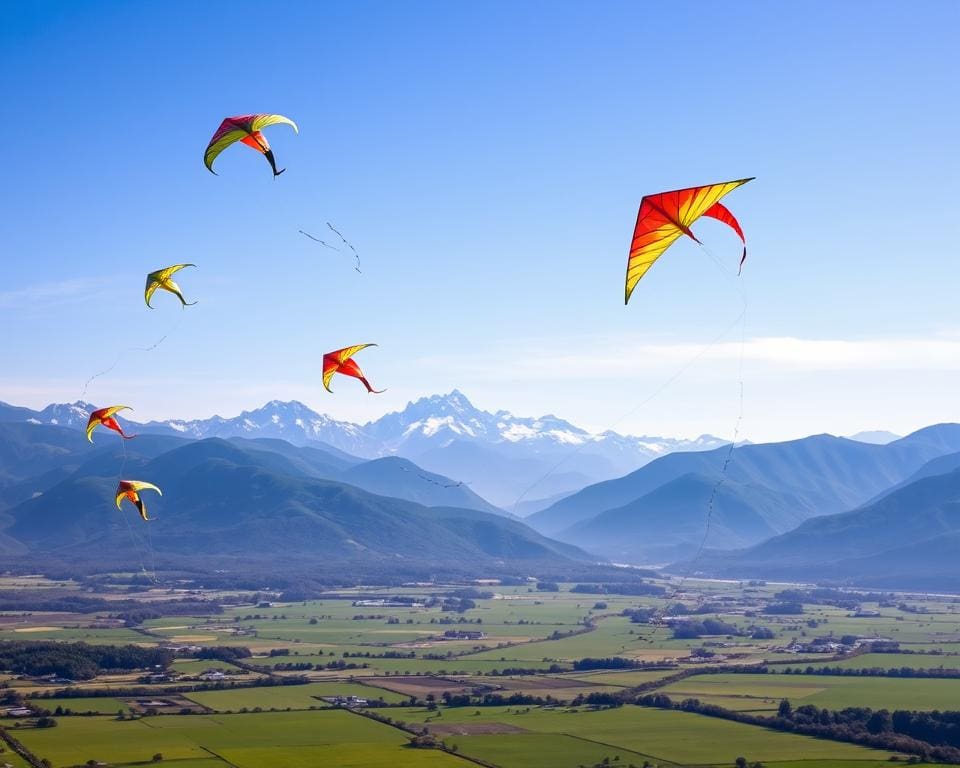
(487, 160)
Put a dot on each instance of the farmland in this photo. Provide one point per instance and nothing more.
(518, 678)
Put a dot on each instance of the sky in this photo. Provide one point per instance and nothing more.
(486, 160)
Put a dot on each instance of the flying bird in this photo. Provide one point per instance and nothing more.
(130, 490)
(247, 130)
(104, 417)
(340, 361)
(663, 218)
(162, 279)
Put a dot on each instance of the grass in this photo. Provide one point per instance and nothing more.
(666, 735)
(67, 634)
(828, 691)
(894, 661)
(103, 705)
(535, 737)
(293, 696)
(541, 750)
(247, 741)
(198, 667)
(620, 677)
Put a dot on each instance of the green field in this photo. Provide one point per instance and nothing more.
(831, 692)
(292, 696)
(665, 735)
(620, 677)
(894, 661)
(190, 667)
(542, 750)
(65, 634)
(292, 726)
(248, 741)
(103, 705)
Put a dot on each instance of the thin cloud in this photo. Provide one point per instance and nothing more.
(59, 292)
(589, 358)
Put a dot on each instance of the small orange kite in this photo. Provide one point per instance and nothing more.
(130, 490)
(340, 362)
(104, 417)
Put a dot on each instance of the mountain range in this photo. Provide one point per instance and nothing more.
(877, 512)
(505, 458)
(910, 536)
(682, 503)
(264, 501)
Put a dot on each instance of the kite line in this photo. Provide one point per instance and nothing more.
(124, 352)
(325, 244)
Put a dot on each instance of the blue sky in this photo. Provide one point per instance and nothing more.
(487, 160)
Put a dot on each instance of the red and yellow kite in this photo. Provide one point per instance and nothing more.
(104, 417)
(247, 130)
(130, 490)
(664, 217)
(163, 279)
(340, 362)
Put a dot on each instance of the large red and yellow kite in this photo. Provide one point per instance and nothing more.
(664, 217)
(340, 362)
(104, 417)
(130, 490)
(247, 130)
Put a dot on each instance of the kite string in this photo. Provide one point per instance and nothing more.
(325, 244)
(728, 458)
(123, 514)
(654, 394)
(124, 352)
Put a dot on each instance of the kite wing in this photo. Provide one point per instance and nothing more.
(234, 129)
(98, 417)
(260, 122)
(339, 362)
(719, 212)
(228, 133)
(663, 218)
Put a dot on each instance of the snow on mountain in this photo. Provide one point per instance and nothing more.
(502, 453)
(291, 421)
(67, 415)
(441, 419)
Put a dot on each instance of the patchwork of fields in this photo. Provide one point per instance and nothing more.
(301, 694)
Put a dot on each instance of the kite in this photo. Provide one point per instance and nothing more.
(104, 417)
(663, 218)
(247, 130)
(130, 490)
(340, 362)
(162, 279)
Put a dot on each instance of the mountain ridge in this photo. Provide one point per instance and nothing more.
(423, 432)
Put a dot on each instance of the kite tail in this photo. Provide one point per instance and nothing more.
(126, 436)
(273, 163)
(742, 259)
(371, 390)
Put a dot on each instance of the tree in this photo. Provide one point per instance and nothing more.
(740, 762)
(784, 710)
(157, 757)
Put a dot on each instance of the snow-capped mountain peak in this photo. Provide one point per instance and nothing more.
(500, 452)
(66, 414)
